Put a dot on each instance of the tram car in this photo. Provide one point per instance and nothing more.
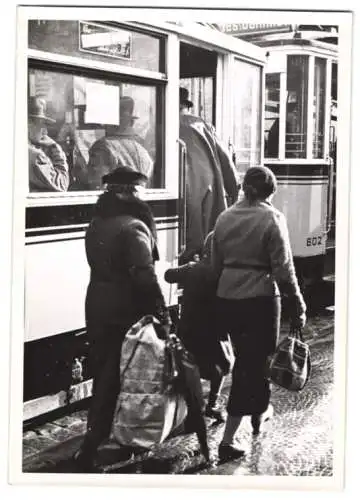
(300, 146)
(82, 69)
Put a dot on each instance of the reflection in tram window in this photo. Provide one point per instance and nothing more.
(246, 132)
(272, 114)
(98, 122)
(296, 106)
(319, 107)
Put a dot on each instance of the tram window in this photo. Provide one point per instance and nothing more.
(96, 122)
(201, 93)
(296, 106)
(246, 131)
(272, 114)
(98, 41)
(319, 107)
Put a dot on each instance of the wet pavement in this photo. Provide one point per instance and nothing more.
(296, 442)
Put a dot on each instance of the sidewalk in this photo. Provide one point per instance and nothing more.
(297, 441)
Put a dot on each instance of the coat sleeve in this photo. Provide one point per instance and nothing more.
(228, 172)
(147, 292)
(50, 170)
(216, 259)
(282, 264)
(178, 274)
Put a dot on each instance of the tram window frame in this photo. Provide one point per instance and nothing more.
(158, 180)
(318, 110)
(57, 46)
(246, 157)
(275, 125)
(297, 108)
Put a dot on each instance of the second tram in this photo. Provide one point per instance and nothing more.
(300, 75)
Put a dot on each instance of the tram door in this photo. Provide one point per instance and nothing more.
(198, 69)
(197, 74)
(225, 91)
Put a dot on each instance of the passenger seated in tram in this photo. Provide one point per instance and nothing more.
(120, 145)
(211, 176)
(48, 167)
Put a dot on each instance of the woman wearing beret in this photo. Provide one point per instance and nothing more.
(121, 250)
(252, 258)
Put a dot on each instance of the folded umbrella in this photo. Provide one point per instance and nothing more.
(188, 382)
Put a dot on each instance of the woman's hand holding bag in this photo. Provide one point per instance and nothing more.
(299, 321)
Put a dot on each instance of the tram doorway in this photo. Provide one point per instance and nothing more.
(198, 67)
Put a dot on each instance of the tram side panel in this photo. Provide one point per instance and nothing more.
(302, 196)
(56, 279)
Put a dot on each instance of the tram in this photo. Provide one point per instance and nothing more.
(300, 145)
(75, 65)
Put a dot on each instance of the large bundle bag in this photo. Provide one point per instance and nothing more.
(149, 406)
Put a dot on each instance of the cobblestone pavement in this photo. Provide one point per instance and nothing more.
(296, 442)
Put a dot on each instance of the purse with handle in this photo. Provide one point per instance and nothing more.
(290, 366)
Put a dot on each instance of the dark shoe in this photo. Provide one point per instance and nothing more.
(257, 421)
(83, 462)
(229, 452)
(216, 413)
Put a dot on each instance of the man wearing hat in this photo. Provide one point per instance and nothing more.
(120, 144)
(48, 167)
(211, 176)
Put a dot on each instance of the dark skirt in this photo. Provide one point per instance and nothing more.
(253, 325)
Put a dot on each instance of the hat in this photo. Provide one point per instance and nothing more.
(127, 107)
(124, 175)
(184, 97)
(261, 180)
(37, 108)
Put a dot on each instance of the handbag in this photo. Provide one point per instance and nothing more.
(290, 366)
(148, 406)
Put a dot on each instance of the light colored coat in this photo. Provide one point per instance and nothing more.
(251, 253)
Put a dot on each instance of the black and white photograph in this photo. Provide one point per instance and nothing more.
(180, 227)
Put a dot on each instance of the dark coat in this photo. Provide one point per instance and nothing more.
(121, 250)
(198, 326)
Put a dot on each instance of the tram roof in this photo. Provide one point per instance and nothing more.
(299, 42)
(195, 32)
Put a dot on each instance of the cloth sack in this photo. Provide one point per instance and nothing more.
(149, 406)
(290, 365)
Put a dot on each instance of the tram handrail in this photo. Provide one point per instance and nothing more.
(182, 197)
(330, 198)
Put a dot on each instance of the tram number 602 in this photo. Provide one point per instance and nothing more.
(314, 241)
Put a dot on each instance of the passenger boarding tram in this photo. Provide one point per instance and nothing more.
(300, 87)
(82, 69)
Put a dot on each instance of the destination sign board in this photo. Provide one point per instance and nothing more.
(252, 28)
